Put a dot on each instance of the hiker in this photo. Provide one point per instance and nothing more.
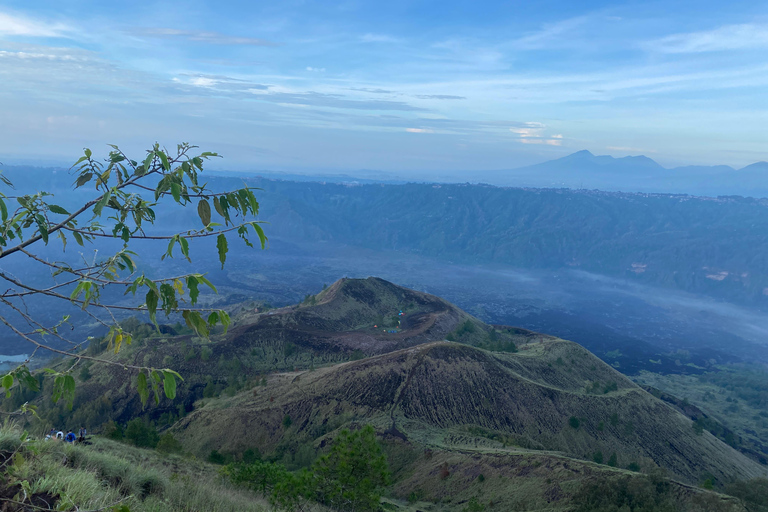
(59, 435)
(70, 437)
(81, 435)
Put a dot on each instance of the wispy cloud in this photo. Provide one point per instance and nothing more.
(439, 97)
(726, 37)
(549, 33)
(378, 38)
(534, 133)
(315, 70)
(419, 130)
(200, 37)
(370, 90)
(12, 25)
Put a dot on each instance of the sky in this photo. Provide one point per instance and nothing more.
(397, 86)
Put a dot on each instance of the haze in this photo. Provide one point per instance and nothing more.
(413, 88)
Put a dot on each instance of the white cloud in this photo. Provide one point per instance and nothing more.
(528, 130)
(378, 38)
(201, 36)
(12, 25)
(727, 37)
(534, 133)
(315, 70)
(419, 130)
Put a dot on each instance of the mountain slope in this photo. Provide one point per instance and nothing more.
(349, 320)
(371, 315)
(455, 397)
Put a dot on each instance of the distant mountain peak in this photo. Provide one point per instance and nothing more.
(757, 166)
(584, 153)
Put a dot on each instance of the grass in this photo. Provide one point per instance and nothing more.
(748, 421)
(107, 473)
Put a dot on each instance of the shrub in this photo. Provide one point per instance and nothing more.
(633, 493)
(753, 493)
(141, 433)
(216, 458)
(168, 444)
(112, 430)
(251, 455)
(574, 422)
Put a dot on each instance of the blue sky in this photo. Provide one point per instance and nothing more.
(407, 87)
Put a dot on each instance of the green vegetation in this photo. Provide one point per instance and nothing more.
(107, 474)
(351, 476)
(734, 402)
(752, 493)
(647, 493)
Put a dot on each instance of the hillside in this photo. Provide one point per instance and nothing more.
(371, 316)
(351, 319)
(552, 397)
(696, 244)
(498, 409)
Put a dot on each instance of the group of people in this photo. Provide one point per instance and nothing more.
(70, 436)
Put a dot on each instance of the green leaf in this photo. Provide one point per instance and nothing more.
(164, 160)
(224, 319)
(7, 384)
(141, 386)
(88, 153)
(151, 299)
(194, 292)
(260, 232)
(57, 209)
(83, 179)
(184, 247)
(206, 282)
(221, 245)
(128, 262)
(204, 211)
(102, 203)
(155, 381)
(217, 206)
(176, 191)
(3, 210)
(78, 237)
(169, 385)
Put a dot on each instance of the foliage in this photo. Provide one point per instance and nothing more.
(168, 444)
(753, 493)
(119, 210)
(574, 422)
(351, 476)
(633, 494)
(141, 433)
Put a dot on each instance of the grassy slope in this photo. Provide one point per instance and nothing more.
(749, 421)
(448, 396)
(337, 325)
(106, 472)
